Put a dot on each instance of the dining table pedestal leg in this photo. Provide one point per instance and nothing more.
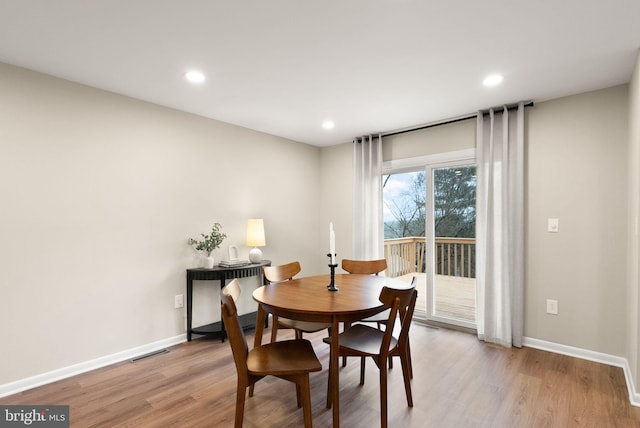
(334, 378)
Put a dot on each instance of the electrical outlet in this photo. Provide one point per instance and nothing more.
(552, 307)
(178, 301)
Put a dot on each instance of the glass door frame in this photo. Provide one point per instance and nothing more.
(427, 163)
(430, 238)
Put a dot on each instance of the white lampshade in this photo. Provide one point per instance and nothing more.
(255, 238)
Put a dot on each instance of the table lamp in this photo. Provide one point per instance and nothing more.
(255, 239)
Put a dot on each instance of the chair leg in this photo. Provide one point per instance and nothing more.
(240, 396)
(383, 393)
(406, 373)
(305, 392)
(274, 328)
(363, 363)
(298, 397)
(345, 326)
(410, 362)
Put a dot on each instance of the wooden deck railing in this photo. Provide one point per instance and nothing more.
(454, 256)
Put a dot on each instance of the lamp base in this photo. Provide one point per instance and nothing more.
(255, 255)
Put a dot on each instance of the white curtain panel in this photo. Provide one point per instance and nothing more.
(368, 234)
(500, 226)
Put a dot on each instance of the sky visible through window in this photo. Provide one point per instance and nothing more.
(397, 191)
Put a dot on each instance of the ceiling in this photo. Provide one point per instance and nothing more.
(285, 66)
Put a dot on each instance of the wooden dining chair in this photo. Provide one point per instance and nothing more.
(365, 341)
(365, 267)
(382, 319)
(292, 360)
(283, 273)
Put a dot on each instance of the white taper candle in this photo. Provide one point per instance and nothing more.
(332, 243)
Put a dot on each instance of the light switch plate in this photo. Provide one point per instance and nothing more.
(553, 225)
(178, 301)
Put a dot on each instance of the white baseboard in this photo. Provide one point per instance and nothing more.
(65, 372)
(598, 357)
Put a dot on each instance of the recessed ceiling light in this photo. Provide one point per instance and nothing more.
(328, 124)
(194, 76)
(493, 80)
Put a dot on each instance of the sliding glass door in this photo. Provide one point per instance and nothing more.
(429, 232)
(451, 207)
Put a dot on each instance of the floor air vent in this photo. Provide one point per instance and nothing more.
(149, 355)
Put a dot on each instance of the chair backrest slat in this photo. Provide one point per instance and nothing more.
(282, 272)
(364, 267)
(406, 315)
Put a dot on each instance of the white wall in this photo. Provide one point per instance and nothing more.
(99, 195)
(577, 171)
(336, 166)
(633, 196)
(449, 137)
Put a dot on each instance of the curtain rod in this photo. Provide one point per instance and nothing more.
(449, 121)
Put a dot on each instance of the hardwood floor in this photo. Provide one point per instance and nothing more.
(458, 382)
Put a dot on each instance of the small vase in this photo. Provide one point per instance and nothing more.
(208, 262)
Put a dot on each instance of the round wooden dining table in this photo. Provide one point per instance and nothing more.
(308, 299)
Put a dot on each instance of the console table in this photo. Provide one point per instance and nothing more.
(221, 274)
